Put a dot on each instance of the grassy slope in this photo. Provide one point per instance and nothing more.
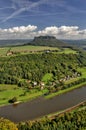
(29, 49)
(47, 77)
(32, 48)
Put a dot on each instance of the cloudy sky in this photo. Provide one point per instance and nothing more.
(65, 19)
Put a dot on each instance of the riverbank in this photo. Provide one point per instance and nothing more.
(65, 90)
(74, 119)
(66, 110)
(56, 114)
(40, 107)
(21, 94)
(29, 96)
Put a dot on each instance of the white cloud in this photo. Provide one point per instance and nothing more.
(21, 29)
(30, 31)
(17, 32)
(63, 32)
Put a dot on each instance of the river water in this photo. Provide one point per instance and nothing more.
(40, 107)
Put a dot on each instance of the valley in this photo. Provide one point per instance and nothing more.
(49, 78)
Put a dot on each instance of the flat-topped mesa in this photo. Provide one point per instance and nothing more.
(45, 37)
(48, 41)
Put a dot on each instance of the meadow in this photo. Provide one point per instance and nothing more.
(15, 50)
(7, 92)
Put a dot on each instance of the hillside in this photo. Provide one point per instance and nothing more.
(77, 43)
(48, 41)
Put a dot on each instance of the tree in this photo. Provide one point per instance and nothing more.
(5, 124)
(13, 100)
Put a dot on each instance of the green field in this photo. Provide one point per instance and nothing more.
(67, 51)
(4, 51)
(7, 92)
(83, 71)
(47, 77)
(24, 49)
(32, 48)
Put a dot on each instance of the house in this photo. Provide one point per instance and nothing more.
(34, 83)
(42, 84)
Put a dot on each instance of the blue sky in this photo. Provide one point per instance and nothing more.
(53, 17)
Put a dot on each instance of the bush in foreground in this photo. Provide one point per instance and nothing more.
(5, 124)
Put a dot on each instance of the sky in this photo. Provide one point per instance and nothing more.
(25, 19)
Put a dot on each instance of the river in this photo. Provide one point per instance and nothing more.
(40, 106)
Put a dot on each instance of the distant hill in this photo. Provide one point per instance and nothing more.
(12, 42)
(79, 43)
(48, 41)
(76, 42)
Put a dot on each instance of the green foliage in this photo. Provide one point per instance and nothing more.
(7, 125)
(35, 66)
(13, 100)
(47, 77)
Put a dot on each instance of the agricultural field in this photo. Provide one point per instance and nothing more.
(15, 50)
(9, 51)
(32, 48)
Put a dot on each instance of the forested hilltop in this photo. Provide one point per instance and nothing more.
(13, 70)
